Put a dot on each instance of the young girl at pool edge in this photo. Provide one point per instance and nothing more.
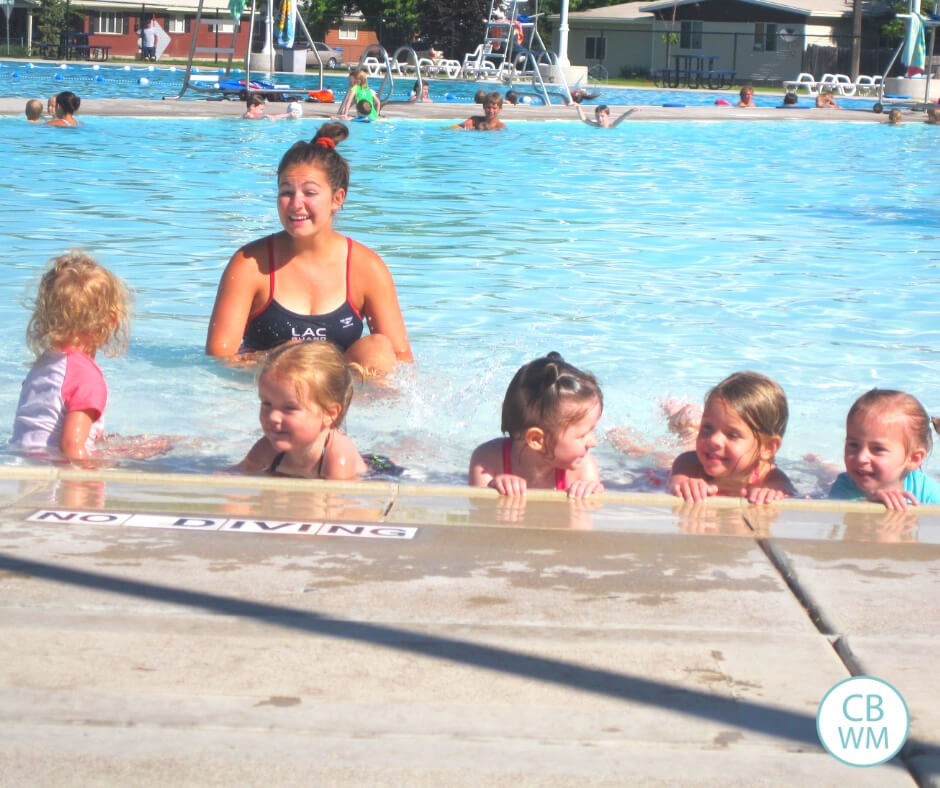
(80, 308)
(549, 414)
(305, 390)
(742, 428)
(887, 438)
(308, 282)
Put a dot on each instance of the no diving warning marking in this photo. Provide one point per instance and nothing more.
(195, 523)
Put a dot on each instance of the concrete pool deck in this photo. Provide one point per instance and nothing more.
(446, 111)
(174, 629)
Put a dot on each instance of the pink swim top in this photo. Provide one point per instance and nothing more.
(561, 475)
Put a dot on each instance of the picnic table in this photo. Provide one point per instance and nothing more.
(74, 46)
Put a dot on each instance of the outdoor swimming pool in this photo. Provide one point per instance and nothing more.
(660, 256)
(153, 82)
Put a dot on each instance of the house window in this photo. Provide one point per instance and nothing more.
(109, 22)
(222, 26)
(690, 34)
(595, 48)
(176, 24)
(765, 37)
(348, 32)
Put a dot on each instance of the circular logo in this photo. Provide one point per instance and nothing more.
(863, 721)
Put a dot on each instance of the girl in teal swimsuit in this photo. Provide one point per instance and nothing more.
(549, 414)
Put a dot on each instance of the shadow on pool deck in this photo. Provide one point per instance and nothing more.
(162, 628)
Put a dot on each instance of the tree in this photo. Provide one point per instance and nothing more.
(394, 21)
(321, 15)
(49, 18)
(894, 30)
(456, 26)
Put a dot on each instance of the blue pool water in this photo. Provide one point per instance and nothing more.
(100, 80)
(661, 256)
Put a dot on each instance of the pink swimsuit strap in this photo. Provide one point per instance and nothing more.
(561, 475)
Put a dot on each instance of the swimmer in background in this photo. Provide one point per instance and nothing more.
(305, 390)
(742, 428)
(359, 90)
(894, 118)
(425, 93)
(256, 105)
(933, 116)
(365, 112)
(512, 97)
(489, 121)
(578, 95)
(887, 439)
(746, 97)
(66, 105)
(480, 96)
(549, 415)
(602, 116)
(790, 99)
(826, 100)
(33, 111)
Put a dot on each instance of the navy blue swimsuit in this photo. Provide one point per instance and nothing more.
(273, 325)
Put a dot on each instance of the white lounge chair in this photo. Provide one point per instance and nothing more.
(476, 65)
(804, 80)
(372, 66)
(837, 83)
(449, 68)
(865, 85)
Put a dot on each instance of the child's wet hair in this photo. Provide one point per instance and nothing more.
(757, 400)
(321, 151)
(493, 99)
(33, 109)
(68, 102)
(360, 76)
(364, 107)
(79, 303)
(538, 392)
(254, 100)
(899, 403)
(601, 108)
(318, 372)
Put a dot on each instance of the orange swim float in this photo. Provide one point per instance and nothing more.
(324, 96)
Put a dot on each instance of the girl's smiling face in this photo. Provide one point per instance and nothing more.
(305, 200)
(877, 456)
(726, 446)
(289, 424)
(574, 442)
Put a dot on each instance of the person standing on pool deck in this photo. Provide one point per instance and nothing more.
(308, 282)
(148, 42)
